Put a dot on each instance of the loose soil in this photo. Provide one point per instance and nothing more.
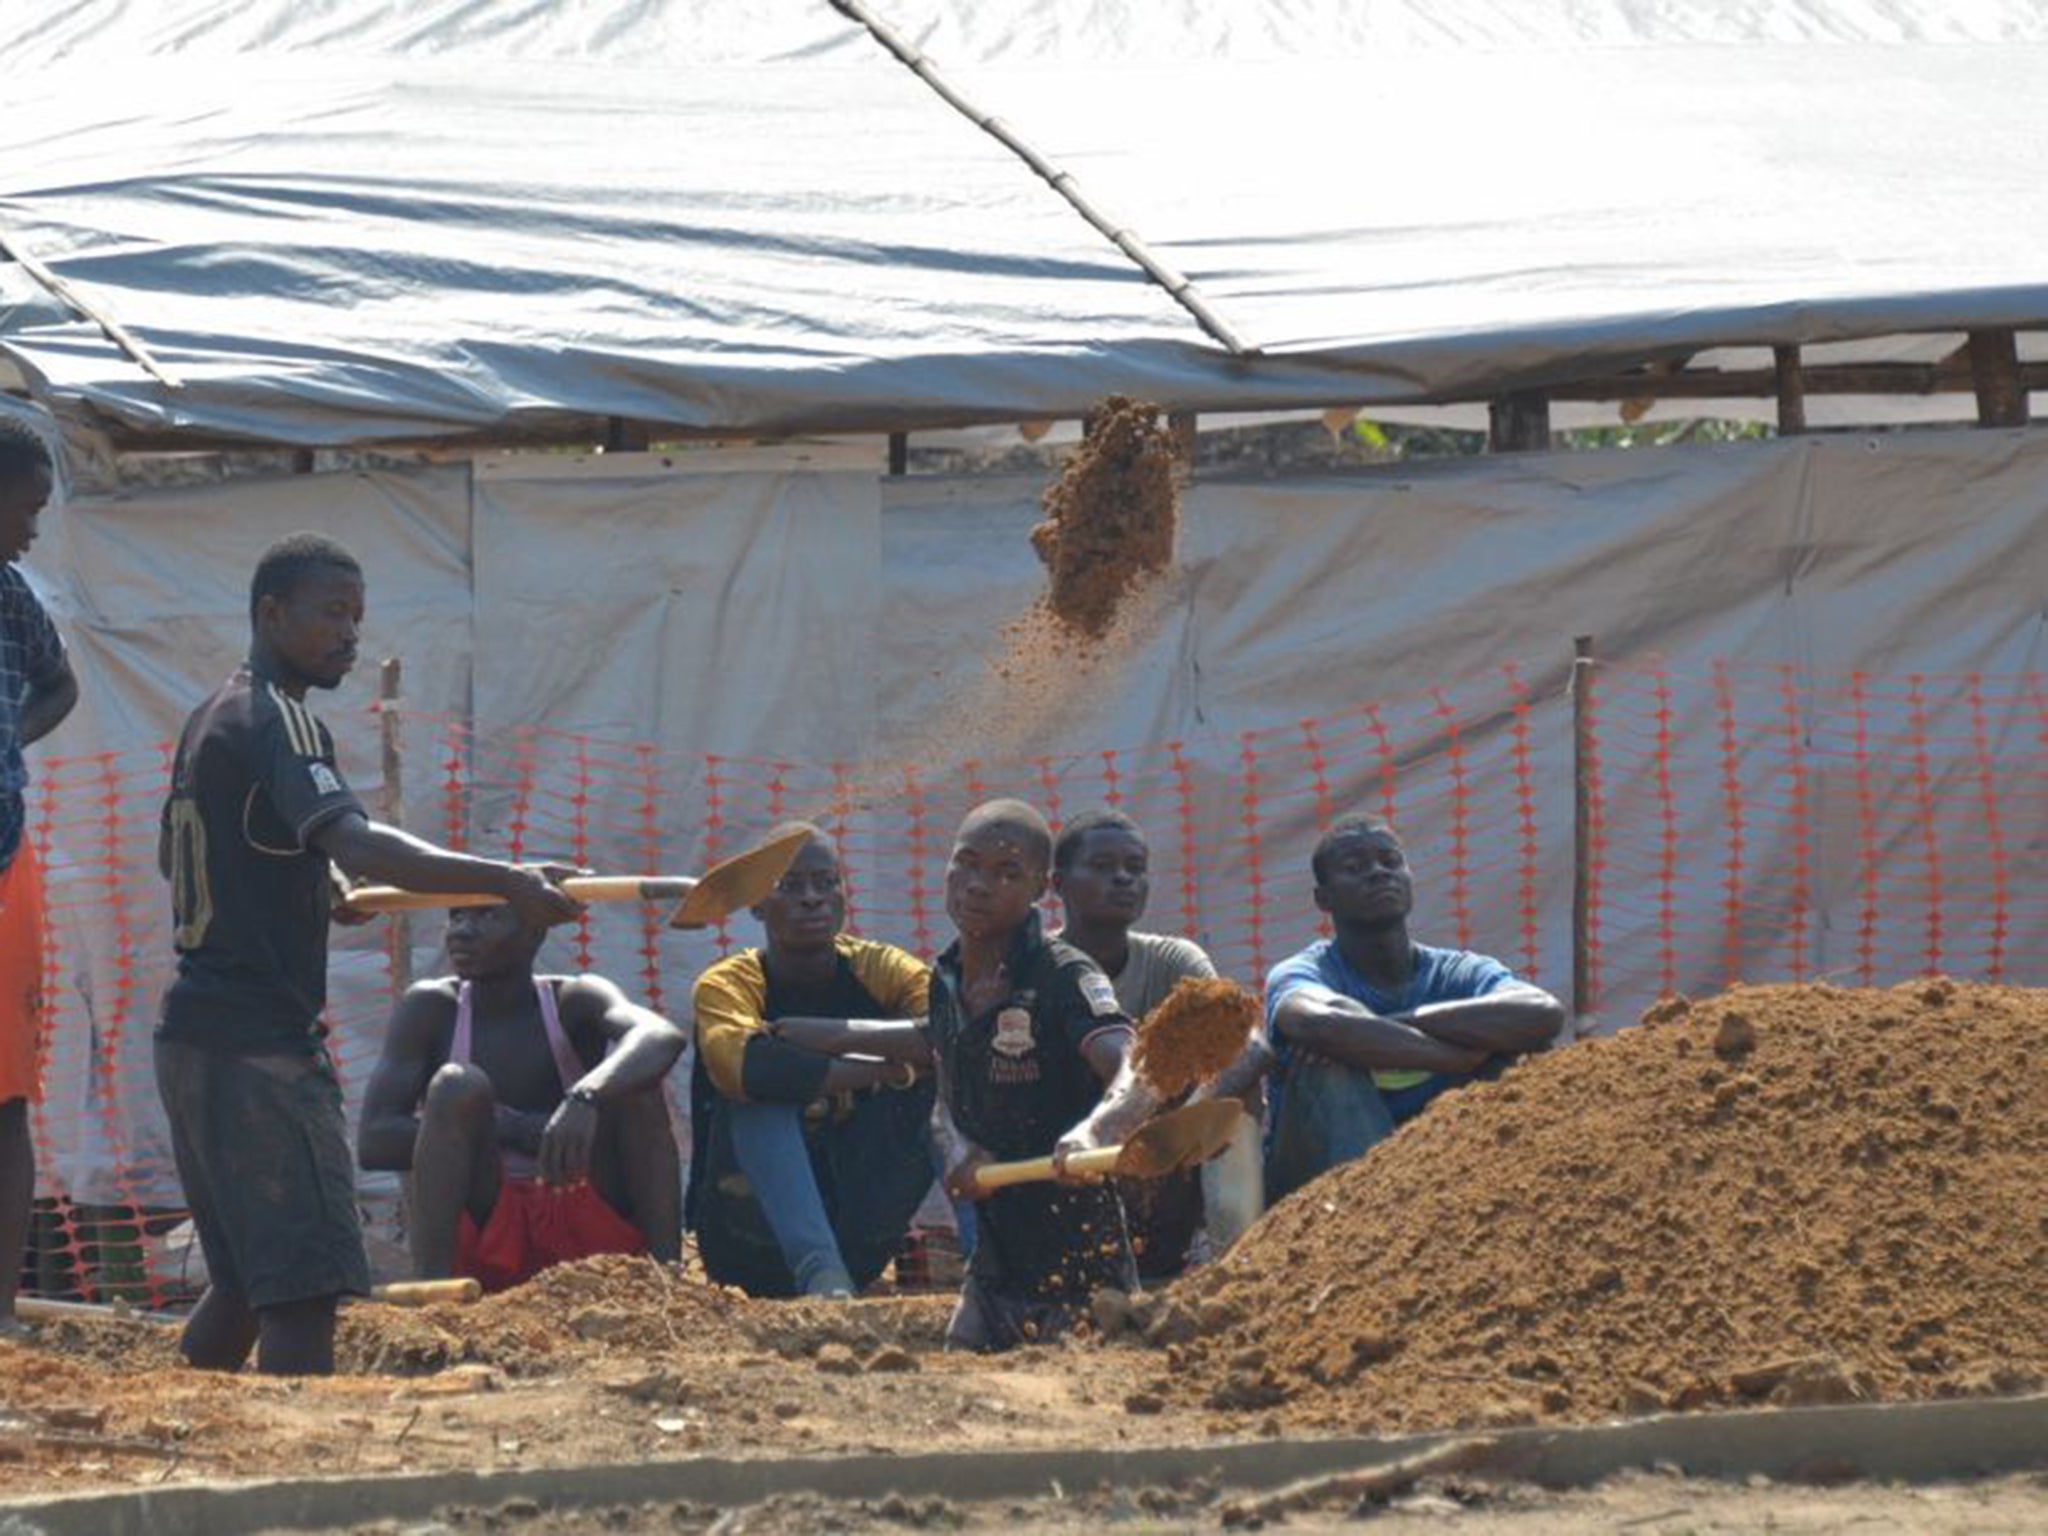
(1783, 1195)
(1110, 518)
(1198, 1029)
(1106, 540)
(1787, 1194)
(608, 1359)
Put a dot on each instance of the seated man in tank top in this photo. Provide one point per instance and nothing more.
(529, 1111)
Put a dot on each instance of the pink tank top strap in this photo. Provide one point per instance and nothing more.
(458, 1048)
(567, 1062)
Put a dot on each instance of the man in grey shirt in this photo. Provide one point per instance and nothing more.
(1102, 872)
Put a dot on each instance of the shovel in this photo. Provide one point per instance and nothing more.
(723, 889)
(402, 1293)
(1178, 1139)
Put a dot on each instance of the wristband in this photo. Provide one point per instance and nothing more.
(582, 1095)
(909, 1079)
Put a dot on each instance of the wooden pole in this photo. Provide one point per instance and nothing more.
(1582, 830)
(1995, 372)
(623, 436)
(1181, 427)
(1518, 422)
(1791, 391)
(391, 807)
(899, 453)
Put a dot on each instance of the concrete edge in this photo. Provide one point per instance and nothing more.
(1909, 1442)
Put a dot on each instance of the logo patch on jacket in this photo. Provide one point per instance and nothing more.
(325, 779)
(1100, 995)
(1014, 1035)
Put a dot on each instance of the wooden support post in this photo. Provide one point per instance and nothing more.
(302, 461)
(1518, 422)
(391, 809)
(1995, 371)
(623, 436)
(1791, 391)
(1582, 830)
(899, 453)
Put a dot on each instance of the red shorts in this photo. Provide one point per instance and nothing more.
(535, 1225)
(21, 977)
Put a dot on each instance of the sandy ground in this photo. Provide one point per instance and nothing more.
(1648, 1504)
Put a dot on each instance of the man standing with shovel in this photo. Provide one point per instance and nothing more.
(257, 817)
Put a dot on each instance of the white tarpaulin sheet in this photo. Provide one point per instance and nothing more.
(363, 221)
(662, 661)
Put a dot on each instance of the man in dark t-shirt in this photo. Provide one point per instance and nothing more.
(257, 810)
(1027, 1030)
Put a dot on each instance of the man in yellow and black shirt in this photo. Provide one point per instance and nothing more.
(809, 1154)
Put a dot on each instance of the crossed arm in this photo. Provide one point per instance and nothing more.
(1438, 1037)
(644, 1046)
(865, 1052)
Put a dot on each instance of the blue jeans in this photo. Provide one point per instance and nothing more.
(789, 1208)
(768, 1143)
(1331, 1113)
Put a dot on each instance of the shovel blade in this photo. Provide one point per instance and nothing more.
(737, 883)
(1179, 1139)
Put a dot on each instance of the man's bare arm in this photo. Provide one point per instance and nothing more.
(389, 1124)
(370, 850)
(45, 707)
(644, 1045)
(1512, 1021)
(1346, 1031)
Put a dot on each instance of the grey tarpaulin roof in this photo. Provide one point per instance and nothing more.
(346, 221)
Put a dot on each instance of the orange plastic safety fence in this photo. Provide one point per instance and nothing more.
(1747, 822)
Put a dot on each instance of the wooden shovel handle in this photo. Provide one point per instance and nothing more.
(389, 898)
(421, 1293)
(1098, 1162)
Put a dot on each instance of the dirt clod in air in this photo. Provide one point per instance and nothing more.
(1110, 517)
(1786, 1195)
(1198, 1029)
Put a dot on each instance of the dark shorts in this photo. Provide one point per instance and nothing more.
(262, 1150)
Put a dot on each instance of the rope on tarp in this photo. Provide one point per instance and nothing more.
(71, 298)
(1177, 284)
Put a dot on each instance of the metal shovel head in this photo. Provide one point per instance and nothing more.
(1179, 1139)
(737, 883)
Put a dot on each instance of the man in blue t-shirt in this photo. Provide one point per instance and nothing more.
(1370, 1026)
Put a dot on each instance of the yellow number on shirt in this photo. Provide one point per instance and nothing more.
(191, 898)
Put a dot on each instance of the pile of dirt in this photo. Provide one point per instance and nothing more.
(575, 1317)
(1110, 518)
(616, 1305)
(1787, 1194)
(1198, 1029)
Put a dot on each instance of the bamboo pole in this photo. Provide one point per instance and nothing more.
(1155, 267)
(1582, 830)
(391, 806)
